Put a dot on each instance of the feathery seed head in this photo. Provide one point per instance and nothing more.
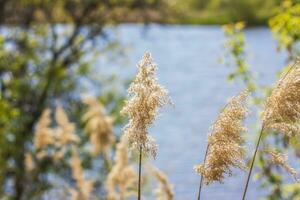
(165, 189)
(280, 159)
(43, 134)
(282, 110)
(98, 126)
(84, 186)
(225, 142)
(59, 137)
(145, 97)
(29, 162)
(122, 177)
(65, 132)
(59, 153)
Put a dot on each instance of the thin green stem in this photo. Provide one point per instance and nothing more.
(140, 173)
(252, 162)
(201, 179)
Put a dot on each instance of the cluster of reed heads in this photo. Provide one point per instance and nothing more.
(226, 141)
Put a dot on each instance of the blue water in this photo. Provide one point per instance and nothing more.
(187, 57)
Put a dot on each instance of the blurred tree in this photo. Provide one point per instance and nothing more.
(253, 12)
(42, 61)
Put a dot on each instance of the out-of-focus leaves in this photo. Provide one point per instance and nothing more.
(269, 176)
(285, 27)
(236, 54)
(41, 65)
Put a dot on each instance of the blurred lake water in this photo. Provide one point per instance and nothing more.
(187, 58)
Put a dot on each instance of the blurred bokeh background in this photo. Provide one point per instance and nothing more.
(55, 53)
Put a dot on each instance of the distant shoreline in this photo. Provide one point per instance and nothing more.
(150, 16)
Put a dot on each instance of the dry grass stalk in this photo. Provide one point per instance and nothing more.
(98, 126)
(122, 177)
(75, 195)
(165, 189)
(145, 97)
(282, 110)
(225, 142)
(59, 137)
(29, 162)
(84, 187)
(65, 132)
(280, 159)
(43, 134)
(59, 153)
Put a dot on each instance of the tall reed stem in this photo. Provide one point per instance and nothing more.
(201, 179)
(261, 133)
(252, 162)
(140, 172)
(205, 156)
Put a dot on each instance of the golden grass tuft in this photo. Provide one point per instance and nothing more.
(282, 110)
(98, 126)
(165, 189)
(59, 137)
(122, 178)
(29, 162)
(145, 97)
(225, 142)
(84, 187)
(280, 159)
(43, 134)
(65, 131)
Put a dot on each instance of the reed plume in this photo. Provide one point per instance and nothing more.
(29, 162)
(145, 97)
(44, 134)
(224, 150)
(280, 159)
(75, 195)
(225, 142)
(98, 126)
(122, 177)
(58, 137)
(165, 189)
(282, 110)
(59, 153)
(84, 187)
(65, 132)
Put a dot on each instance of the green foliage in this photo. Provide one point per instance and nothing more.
(291, 191)
(285, 27)
(236, 55)
(253, 12)
(269, 176)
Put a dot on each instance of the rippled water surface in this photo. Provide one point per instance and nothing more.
(187, 57)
